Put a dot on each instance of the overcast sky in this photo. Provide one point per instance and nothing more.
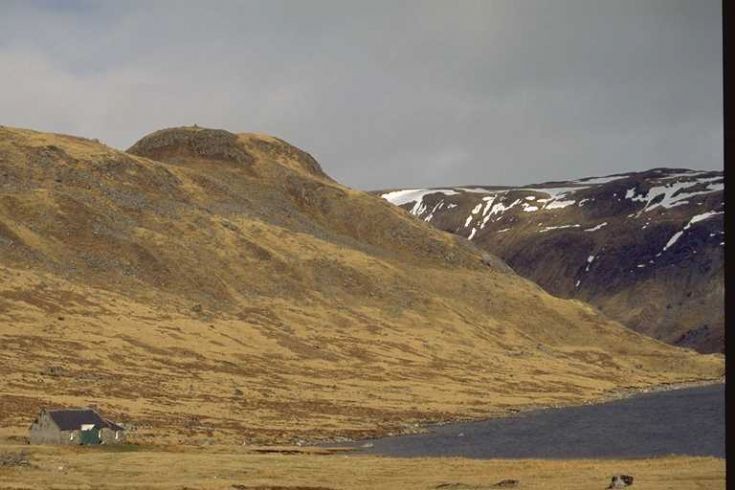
(385, 94)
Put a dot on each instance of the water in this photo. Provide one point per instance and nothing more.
(685, 422)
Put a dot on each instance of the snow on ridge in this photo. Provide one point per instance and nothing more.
(711, 179)
(595, 228)
(686, 173)
(674, 238)
(557, 199)
(405, 196)
(590, 259)
(703, 216)
(478, 190)
(488, 204)
(561, 227)
(554, 192)
(436, 208)
(500, 208)
(669, 199)
(601, 180)
(558, 204)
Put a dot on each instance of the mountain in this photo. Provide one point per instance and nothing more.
(646, 248)
(207, 286)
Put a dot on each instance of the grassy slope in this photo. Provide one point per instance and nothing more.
(236, 292)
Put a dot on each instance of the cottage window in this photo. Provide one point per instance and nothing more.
(117, 435)
(71, 436)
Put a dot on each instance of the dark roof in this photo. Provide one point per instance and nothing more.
(72, 419)
(113, 426)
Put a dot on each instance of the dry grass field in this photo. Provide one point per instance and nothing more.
(213, 288)
(241, 468)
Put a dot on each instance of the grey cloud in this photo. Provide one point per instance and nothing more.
(385, 94)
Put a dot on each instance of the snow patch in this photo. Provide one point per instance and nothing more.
(666, 193)
(399, 198)
(601, 180)
(595, 228)
(436, 208)
(695, 219)
(549, 228)
(559, 204)
(673, 240)
(703, 216)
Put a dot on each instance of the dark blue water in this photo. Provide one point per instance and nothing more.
(686, 422)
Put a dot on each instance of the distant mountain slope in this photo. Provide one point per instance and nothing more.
(215, 286)
(646, 248)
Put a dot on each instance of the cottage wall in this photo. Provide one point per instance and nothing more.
(109, 436)
(45, 431)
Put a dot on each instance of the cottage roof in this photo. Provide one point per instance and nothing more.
(72, 419)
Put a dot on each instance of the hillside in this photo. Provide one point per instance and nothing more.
(207, 286)
(646, 248)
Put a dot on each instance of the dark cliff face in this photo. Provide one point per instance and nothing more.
(646, 248)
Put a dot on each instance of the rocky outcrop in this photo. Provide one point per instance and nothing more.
(191, 142)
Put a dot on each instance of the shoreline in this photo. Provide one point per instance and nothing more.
(607, 397)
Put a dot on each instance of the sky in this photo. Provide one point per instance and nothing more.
(385, 94)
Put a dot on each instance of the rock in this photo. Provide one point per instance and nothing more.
(621, 481)
(506, 484)
(14, 459)
(54, 371)
(230, 225)
(191, 142)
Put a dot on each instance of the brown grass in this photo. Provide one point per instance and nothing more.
(229, 468)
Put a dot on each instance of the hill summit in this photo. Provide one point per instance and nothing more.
(179, 145)
(213, 286)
